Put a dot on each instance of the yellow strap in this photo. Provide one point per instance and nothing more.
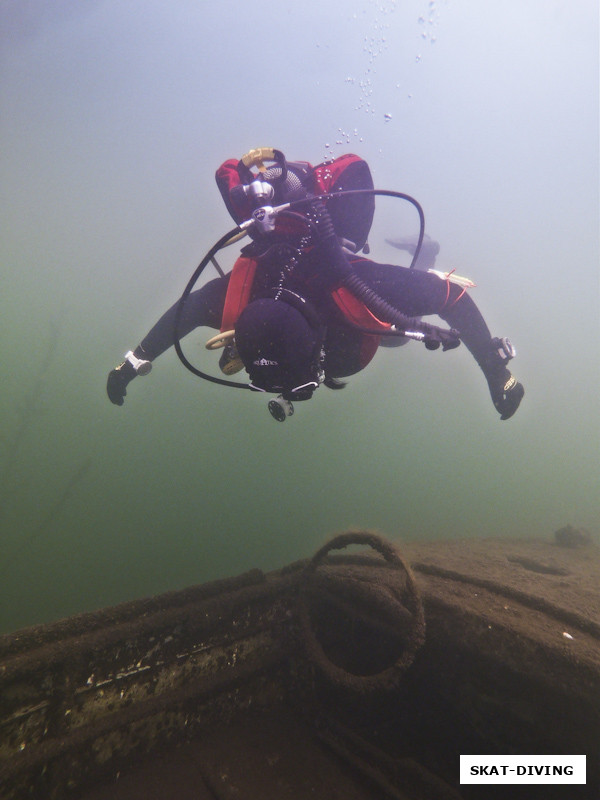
(452, 277)
(256, 157)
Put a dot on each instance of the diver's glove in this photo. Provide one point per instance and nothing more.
(121, 376)
(505, 389)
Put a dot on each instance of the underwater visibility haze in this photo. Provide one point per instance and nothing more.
(114, 119)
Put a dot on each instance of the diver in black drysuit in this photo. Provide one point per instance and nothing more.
(413, 292)
(270, 332)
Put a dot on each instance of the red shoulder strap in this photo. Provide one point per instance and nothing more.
(238, 291)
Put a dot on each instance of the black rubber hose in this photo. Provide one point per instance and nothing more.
(181, 305)
(384, 193)
(433, 336)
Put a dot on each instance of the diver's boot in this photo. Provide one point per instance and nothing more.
(506, 394)
(120, 377)
(505, 389)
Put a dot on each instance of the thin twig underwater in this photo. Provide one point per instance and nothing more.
(50, 516)
(28, 411)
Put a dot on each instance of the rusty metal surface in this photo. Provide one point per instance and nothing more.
(78, 693)
(512, 645)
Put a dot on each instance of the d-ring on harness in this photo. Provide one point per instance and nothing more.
(220, 340)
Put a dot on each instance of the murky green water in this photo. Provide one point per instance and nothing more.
(114, 119)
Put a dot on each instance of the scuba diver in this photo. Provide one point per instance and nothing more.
(302, 306)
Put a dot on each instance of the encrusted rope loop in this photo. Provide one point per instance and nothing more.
(396, 606)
